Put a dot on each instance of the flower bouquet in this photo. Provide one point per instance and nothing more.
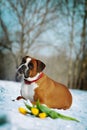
(43, 111)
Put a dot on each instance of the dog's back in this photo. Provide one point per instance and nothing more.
(53, 94)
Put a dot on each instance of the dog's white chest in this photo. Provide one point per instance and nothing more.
(27, 91)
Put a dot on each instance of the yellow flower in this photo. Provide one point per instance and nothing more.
(35, 111)
(22, 110)
(42, 115)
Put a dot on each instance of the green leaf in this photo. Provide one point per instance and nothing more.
(53, 114)
(28, 106)
(42, 108)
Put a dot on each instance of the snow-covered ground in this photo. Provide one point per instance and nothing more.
(11, 119)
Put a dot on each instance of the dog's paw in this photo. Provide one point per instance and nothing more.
(19, 98)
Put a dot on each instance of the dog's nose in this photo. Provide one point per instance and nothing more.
(21, 69)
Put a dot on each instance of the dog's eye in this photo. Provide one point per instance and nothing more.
(23, 61)
(30, 65)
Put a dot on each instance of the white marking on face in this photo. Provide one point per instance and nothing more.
(27, 91)
(27, 62)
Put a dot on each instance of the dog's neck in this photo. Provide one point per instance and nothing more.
(31, 80)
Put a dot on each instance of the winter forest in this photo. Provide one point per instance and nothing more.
(54, 31)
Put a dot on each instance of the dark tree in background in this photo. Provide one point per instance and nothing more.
(82, 78)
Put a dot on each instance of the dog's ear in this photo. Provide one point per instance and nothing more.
(40, 66)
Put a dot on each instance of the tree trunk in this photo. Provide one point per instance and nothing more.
(70, 70)
(83, 50)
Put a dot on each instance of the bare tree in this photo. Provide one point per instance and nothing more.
(71, 44)
(74, 12)
(77, 67)
(69, 10)
(83, 51)
(33, 17)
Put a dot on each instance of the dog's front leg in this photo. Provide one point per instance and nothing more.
(19, 98)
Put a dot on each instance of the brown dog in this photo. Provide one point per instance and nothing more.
(37, 85)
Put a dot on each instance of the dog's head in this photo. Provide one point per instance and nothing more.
(30, 67)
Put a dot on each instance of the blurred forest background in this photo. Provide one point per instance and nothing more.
(54, 31)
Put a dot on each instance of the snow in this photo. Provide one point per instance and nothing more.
(13, 120)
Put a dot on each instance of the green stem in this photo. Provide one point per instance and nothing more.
(29, 107)
(53, 114)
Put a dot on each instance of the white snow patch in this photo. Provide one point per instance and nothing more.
(10, 90)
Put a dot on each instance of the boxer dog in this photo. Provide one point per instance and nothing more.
(37, 85)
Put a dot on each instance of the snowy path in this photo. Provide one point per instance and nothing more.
(13, 120)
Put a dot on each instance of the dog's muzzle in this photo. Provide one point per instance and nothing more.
(23, 70)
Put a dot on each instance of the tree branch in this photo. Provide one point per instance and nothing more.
(16, 11)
